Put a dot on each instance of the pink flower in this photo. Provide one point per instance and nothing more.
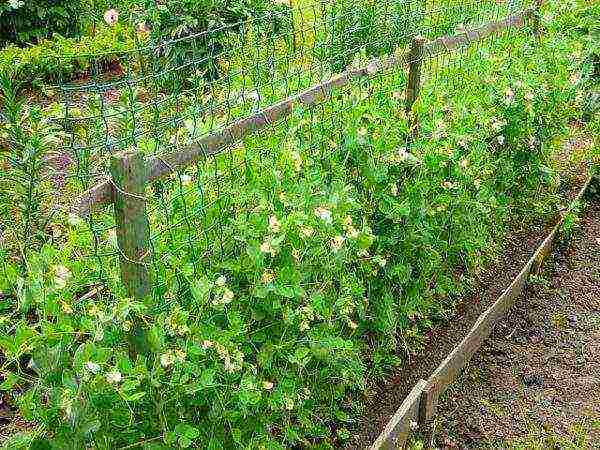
(111, 16)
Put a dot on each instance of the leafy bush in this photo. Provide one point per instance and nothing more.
(24, 22)
(62, 59)
(189, 36)
(331, 257)
(367, 26)
(25, 139)
(336, 247)
(200, 31)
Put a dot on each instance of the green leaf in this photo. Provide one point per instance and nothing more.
(185, 442)
(365, 240)
(200, 290)
(130, 385)
(207, 379)
(9, 382)
(170, 437)
(134, 397)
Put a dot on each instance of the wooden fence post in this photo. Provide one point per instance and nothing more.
(415, 60)
(129, 173)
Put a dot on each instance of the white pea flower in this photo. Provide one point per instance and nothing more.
(142, 28)
(274, 224)
(180, 355)
(114, 377)
(253, 95)
(266, 247)
(501, 140)
(61, 276)
(15, 4)
(323, 214)
(497, 125)
(92, 367)
(402, 154)
(167, 359)
(221, 281)
(297, 159)
(306, 231)
(575, 78)
(74, 220)
(267, 276)
(337, 242)
(352, 232)
(227, 296)
(186, 180)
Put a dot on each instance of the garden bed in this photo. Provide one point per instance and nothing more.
(517, 249)
(295, 266)
(534, 384)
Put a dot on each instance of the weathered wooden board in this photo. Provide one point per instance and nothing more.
(398, 429)
(450, 43)
(449, 369)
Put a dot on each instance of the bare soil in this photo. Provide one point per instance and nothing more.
(535, 383)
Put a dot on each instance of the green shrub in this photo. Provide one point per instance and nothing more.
(192, 34)
(344, 246)
(24, 22)
(372, 27)
(288, 270)
(178, 44)
(25, 138)
(62, 59)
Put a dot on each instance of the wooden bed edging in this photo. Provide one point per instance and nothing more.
(397, 430)
(216, 142)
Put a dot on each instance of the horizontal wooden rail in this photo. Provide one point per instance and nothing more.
(395, 433)
(216, 142)
(450, 43)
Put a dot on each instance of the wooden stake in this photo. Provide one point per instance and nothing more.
(415, 59)
(129, 173)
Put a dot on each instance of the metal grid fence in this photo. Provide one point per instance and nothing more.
(256, 116)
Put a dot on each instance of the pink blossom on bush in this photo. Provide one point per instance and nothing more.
(111, 16)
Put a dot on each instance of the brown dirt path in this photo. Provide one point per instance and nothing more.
(535, 383)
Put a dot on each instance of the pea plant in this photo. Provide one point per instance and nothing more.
(290, 272)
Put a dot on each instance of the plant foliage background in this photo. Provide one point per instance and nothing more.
(293, 271)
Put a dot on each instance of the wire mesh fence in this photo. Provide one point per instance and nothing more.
(257, 122)
(295, 197)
